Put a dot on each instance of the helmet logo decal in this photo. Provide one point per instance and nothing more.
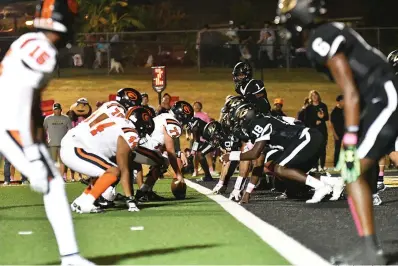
(186, 109)
(145, 117)
(242, 113)
(132, 95)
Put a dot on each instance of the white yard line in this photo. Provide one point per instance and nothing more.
(287, 247)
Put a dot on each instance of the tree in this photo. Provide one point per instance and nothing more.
(107, 16)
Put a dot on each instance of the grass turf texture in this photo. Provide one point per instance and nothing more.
(192, 231)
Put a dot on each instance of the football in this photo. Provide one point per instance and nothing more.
(178, 189)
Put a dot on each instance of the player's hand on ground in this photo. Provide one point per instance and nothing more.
(235, 195)
(132, 205)
(38, 172)
(349, 164)
(180, 179)
(217, 189)
(225, 158)
(184, 159)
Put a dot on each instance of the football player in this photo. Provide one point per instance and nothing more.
(89, 147)
(168, 127)
(369, 85)
(300, 151)
(33, 57)
(252, 90)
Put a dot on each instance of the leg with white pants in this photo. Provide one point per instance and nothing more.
(55, 200)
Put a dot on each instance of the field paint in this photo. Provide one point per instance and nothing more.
(287, 247)
(25, 233)
(136, 228)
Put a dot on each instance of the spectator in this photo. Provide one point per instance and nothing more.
(245, 41)
(197, 107)
(101, 48)
(232, 45)
(74, 119)
(9, 173)
(278, 105)
(266, 42)
(337, 126)
(164, 107)
(301, 113)
(57, 125)
(88, 51)
(316, 115)
(145, 101)
(204, 45)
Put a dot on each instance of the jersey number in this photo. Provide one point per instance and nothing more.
(117, 113)
(321, 47)
(258, 131)
(175, 132)
(132, 142)
(40, 57)
(101, 128)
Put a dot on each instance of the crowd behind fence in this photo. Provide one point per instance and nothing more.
(193, 48)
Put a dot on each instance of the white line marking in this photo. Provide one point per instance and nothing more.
(25, 233)
(136, 228)
(287, 247)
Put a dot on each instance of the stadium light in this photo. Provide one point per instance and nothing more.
(29, 22)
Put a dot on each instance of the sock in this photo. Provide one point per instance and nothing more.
(144, 188)
(380, 178)
(250, 187)
(313, 182)
(355, 216)
(220, 182)
(329, 180)
(238, 183)
(87, 190)
(59, 215)
(105, 181)
(109, 194)
(211, 169)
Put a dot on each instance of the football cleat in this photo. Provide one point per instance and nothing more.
(152, 196)
(132, 205)
(103, 203)
(76, 259)
(85, 208)
(381, 187)
(361, 255)
(376, 200)
(141, 196)
(320, 193)
(282, 196)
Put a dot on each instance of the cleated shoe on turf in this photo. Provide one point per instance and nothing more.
(338, 188)
(152, 196)
(245, 198)
(205, 179)
(376, 200)
(219, 189)
(362, 255)
(381, 187)
(141, 196)
(320, 193)
(75, 259)
(85, 208)
(282, 196)
(103, 203)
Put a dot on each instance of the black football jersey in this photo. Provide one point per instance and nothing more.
(367, 63)
(197, 125)
(230, 143)
(255, 92)
(275, 131)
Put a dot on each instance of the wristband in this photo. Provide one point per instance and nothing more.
(234, 156)
(352, 129)
(195, 146)
(350, 139)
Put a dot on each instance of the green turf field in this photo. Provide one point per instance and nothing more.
(193, 231)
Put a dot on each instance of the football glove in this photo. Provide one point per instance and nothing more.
(132, 205)
(38, 171)
(349, 164)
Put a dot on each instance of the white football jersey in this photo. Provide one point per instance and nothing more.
(112, 109)
(164, 121)
(27, 66)
(102, 136)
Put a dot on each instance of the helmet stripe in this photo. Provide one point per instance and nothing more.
(47, 9)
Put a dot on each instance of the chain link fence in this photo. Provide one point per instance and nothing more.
(192, 48)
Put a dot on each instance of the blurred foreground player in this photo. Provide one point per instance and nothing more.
(369, 85)
(33, 57)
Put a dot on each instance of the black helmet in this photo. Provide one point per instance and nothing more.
(142, 120)
(233, 105)
(182, 111)
(243, 117)
(393, 60)
(213, 133)
(298, 14)
(242, 73)
(57, 16)
(128, 97)
(150, 110)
